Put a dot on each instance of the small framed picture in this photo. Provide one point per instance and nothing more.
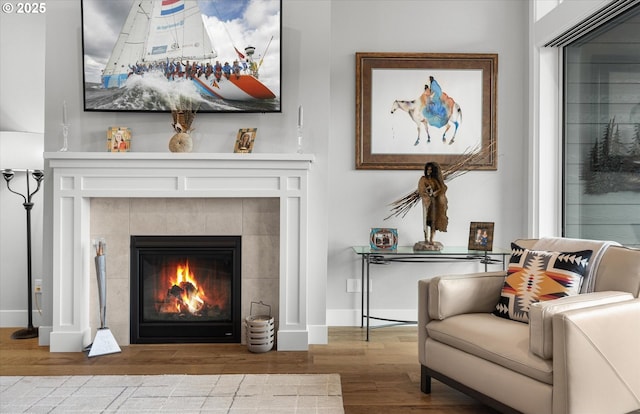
(118, 139)
(383, 239)
(481, 236)
(245, 140)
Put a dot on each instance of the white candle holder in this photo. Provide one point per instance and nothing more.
(65, 138)
(299, 149)
(300, 115)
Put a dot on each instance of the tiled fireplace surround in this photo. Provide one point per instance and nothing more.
(116, 219)
(262, 197)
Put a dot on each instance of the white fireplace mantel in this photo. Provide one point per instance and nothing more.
(79, 176)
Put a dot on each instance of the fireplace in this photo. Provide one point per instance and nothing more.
(78, 178)
(185, 289)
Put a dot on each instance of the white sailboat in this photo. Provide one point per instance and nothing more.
(169, 37)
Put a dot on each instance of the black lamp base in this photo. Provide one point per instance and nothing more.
(25, 333)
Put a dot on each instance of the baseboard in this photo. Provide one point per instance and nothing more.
(44, 334)
(19, 318)
(292, 340)
(318, 334)
(13, 318)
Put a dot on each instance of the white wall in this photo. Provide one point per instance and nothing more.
(360, 199)
(320, 39)
(22, 45)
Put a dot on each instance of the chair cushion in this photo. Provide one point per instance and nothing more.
(541, 316)
(535, 276)
(501, 341)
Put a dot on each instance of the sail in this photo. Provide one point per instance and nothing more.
(154, 32)
(177, 32)
(129, 47)
(168, 38)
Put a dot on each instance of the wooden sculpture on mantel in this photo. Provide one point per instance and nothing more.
(432, 193)
(183, 116)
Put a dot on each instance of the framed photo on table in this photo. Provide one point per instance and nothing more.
(481, 236)
(383, 238)
(417, 107)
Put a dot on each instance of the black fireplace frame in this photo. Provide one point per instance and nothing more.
(144, 332)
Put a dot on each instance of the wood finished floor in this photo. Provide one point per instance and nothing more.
(380, 376)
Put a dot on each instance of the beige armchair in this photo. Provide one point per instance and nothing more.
(577, 354)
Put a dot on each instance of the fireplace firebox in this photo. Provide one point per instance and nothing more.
(185, 289)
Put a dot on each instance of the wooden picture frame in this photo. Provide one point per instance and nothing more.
(245, 139)
(481, 236)
(459, 93)
(118, 139)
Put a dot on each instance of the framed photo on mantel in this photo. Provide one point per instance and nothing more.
(245, 140)
(118, 139)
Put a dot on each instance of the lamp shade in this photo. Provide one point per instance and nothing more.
(21, 150)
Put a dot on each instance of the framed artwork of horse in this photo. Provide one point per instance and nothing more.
(412, 108)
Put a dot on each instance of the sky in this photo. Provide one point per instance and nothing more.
(230, 23)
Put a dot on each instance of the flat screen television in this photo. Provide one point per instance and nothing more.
(159, 55)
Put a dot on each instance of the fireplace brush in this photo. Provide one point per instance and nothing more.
(101, 274)
(104, 342)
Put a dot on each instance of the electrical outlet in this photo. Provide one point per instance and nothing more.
(353, 285)
(37, 286)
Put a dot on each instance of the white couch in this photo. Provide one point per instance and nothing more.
(578, 354)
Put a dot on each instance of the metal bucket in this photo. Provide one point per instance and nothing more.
(260, 330)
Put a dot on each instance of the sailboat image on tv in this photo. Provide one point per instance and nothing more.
(168, 39)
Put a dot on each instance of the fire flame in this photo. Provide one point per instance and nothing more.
(188, 292)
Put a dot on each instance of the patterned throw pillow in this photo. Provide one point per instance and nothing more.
(535, 276)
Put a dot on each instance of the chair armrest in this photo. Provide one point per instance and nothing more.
(595, 354)
(470, 293)
(541, 316)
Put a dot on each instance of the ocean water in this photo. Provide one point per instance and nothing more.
(153, 92)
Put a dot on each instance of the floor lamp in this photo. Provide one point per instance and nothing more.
(38, 176)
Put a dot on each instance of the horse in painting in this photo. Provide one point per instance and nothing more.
(415, 113)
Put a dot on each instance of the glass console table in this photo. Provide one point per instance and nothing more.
(407, 254)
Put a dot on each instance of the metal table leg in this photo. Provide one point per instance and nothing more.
(368, 295)
(362, 291)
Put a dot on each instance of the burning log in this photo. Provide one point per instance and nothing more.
(183, 298)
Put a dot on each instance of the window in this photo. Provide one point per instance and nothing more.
(601, 127)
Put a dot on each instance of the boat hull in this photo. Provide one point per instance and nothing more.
(236, 88)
